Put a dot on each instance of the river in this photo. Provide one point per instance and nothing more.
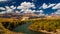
(24, 28)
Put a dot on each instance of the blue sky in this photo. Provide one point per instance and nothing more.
(47, 6)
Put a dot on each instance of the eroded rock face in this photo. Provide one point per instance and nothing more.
(3, 30)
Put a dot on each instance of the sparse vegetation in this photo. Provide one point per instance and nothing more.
(6, 25)
(49, 25)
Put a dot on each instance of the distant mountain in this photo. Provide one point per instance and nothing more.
(10, 15)
(18, 15)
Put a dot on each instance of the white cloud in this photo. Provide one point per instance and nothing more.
(26, 5)
(2, 12)
(29, 11)
(17, 11)
(12, 7)
(20, 7)
(41, 11)
(9, 9)
(45, 6)
(2, 8)
(3, 0)
(52, 13)
(41, 14)
(51, 5)
(57, 12)
(57, 6)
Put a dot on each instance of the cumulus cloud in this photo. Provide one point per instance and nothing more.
(2, 12)
(45, 6)
(3, 0)
(41, 14)
(57, 6)
(51, 5)
(29, 11)
(41, 11)
(57, 12)
(12, 7)
(9, 9)
(25, 7)
(20, 7)
(2, 8)
(17, 11)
